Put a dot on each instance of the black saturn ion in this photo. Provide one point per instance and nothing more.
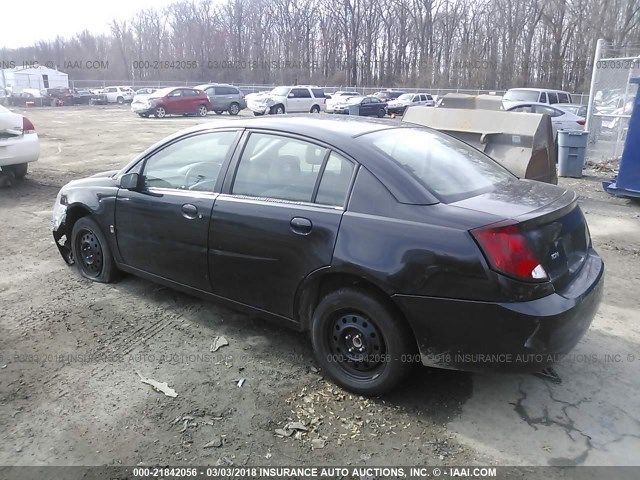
(391, 244)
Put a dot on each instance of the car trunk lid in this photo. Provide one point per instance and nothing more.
(10, 126)
(550, 220)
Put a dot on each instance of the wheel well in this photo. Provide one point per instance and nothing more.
(73, 215)
(278, 105)
(313, 292)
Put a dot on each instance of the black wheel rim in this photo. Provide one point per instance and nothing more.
(356, 345)
(90, 253)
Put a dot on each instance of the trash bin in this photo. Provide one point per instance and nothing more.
(354, 110)
(572, 146)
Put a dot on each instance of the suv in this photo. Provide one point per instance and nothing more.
(537, 95)
(224, 98)
(118, 95)
(299, 98)
(388, 95)
(400, 104)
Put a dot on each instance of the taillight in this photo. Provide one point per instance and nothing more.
(581, 122)
(27, 126)
(508, 251)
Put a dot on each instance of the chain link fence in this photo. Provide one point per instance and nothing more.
(611, 99)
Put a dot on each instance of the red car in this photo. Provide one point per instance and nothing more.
(172, 101)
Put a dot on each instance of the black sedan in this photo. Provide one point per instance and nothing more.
(392, 244)
(362, 106)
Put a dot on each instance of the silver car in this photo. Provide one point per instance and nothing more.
(560, 119)
(224, 98)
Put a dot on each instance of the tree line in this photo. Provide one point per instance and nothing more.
(476, 44)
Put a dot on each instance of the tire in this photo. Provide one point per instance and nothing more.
(20, 170)
(202, 111)
(91, 252)
(234, 109)
(277, 110)
(219, 112)
(160, 112)
(356, 318)
(7, 177)
(315, 109)
(381, 113)
(120, 100)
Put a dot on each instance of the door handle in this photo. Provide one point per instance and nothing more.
(189, 211)
(301, 225)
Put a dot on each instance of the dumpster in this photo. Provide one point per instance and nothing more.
(627, 183)
(521, 142)
(572, 146)
(354, 110)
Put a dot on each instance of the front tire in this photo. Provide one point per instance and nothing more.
(361, 342)
(277, 110)
(315, 109)
(120, 100)
(160, 112)
(91, 252)
(381, 113)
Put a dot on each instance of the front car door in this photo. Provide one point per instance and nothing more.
(174, 101)
(299, 100)
(277, 219)
(162, 227)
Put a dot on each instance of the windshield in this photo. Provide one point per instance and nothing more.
(522, 95)
(280, 91)
(354, 100)
(406, 96)
(449, 168)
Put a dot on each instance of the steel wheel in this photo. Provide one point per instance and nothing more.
(357, 344)
(91, 255)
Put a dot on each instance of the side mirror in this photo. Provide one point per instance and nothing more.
(129, 181)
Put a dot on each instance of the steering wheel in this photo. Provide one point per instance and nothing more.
(200, 174)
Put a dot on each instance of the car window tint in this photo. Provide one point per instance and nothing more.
(318, 92)
(553, 97)
(335, 181)
(563, 98)
(446, 166)
(301, 93)
(193, 163)
(272, 166)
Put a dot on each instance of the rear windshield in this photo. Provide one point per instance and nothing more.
(522, 95)
(447, 167)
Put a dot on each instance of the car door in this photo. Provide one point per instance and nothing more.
(275, 223)
(365, 106)
(162, 227)
(174, 102)
(299, 100)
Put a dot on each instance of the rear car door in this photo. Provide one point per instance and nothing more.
(277, 219)
(162, 227)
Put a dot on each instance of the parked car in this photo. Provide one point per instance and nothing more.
(400, 104)
(392, 244)
(560, 119)
(119, 95)
(145, 91)
(57, 96)
(224, 98)
(297, 99)
(338, 97)
(388, 95)
(173, 101)
(537, 95)
(19, 146)
(575, 108)
(366, 106)
(86, 97)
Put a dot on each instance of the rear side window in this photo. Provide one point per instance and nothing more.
(335, 181)
(278, 167)
(447, 167)
(563, 98)
(318, 92)
(226, 91)
(553, 97)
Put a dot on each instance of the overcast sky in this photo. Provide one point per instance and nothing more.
(44, 19)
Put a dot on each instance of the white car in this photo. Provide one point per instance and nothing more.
(296, 99)
(119, 95)
(560, 119)
(338, 97)
(515, 96)
(19, 145)
(400, 104)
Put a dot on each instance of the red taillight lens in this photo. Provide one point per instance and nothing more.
(27, 126)
(508, 251)
(581, 122)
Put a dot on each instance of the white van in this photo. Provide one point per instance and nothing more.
(538, 95)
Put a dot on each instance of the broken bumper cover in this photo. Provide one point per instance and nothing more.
(58, 228)
(518, 336)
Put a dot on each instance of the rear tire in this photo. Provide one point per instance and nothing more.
(234, 109)
(361, 342)
(120, 100)
(315, 109)
(20, 170)
(91, 252)
(202, 111)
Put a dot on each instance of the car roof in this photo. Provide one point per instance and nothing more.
(521, 103)
(527, 89)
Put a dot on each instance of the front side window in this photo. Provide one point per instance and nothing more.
(192, 163)
(449, 168)
(278, 167)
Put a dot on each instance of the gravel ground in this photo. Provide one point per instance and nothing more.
(72, 354)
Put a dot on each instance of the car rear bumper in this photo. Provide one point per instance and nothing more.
(519, 336)
(24, 149)
(396, 110)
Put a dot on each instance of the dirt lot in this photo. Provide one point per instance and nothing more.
(72, 352)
